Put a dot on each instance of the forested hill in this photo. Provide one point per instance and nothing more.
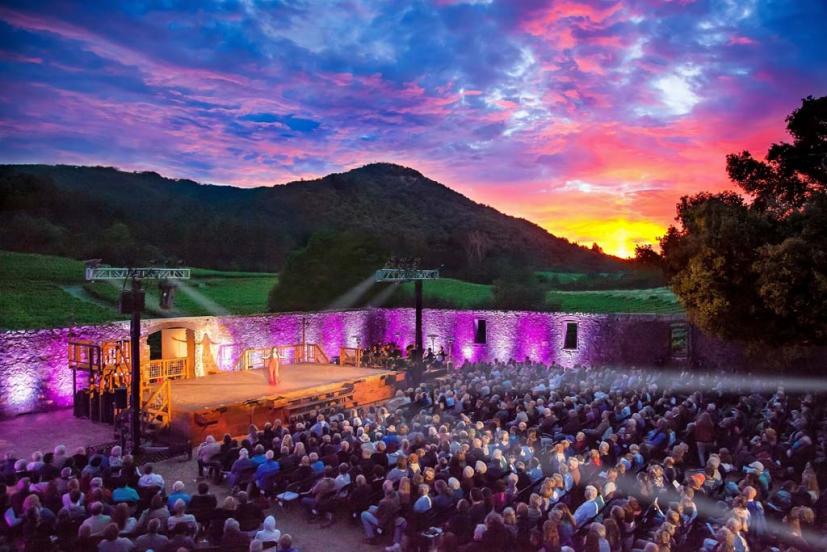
(123, 217)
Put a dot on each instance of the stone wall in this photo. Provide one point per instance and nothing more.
(34, 369)
(34, 373)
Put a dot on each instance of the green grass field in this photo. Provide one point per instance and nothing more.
(469, 295)
(33, 293)
(562, 277)
(41, 291)
(464, 295)
(655, 300)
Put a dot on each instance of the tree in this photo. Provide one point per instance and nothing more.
(518, 289)
(645, 255)
(329, 266)
(754, 268)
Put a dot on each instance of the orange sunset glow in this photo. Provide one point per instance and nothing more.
(589, 118)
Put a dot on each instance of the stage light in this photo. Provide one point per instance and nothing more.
(468, 352)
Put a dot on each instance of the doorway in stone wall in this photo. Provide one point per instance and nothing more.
(171, 354)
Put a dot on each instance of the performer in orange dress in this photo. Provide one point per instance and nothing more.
(273, 367)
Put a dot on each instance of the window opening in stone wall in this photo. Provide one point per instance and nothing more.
(480, 332)
(570, 342)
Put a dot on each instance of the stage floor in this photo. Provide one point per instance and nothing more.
(232, 388)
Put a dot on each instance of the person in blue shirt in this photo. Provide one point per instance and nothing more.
(267, 469)
(391, 437)
(316, 464)
(588, 509)
(423, 503)
(320, 427)
(178, 493)
(658, 438)
(124, 493)
(258, 455)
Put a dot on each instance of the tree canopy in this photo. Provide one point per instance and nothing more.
(519, 289)
(332, 264)
(752, 266)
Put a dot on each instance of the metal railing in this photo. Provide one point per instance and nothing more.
(257, 357)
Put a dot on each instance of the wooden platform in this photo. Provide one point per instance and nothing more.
(229, 402)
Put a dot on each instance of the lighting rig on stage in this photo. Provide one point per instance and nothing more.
(407, 270)
(132, 302)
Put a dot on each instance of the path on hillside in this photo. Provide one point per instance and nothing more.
(78, 292)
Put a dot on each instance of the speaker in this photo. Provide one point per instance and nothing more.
(81, 406)
(94, 407)
(108, 407)
(131, 301)
(121, 398)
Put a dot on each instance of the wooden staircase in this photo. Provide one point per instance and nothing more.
(109, 367)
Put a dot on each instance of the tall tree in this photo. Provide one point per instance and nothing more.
(753, 266)
(319, 275)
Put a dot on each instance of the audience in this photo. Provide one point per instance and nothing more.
(502, 456)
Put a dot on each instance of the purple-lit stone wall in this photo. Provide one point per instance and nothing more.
(34, 368)
(625, 339)
(34, 373)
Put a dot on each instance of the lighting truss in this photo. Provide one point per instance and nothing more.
(112, 273)
(405, 274)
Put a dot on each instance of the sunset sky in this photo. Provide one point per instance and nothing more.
(588, 118)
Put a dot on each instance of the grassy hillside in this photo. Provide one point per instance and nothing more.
(32, 294)
(46, 291)
(39, 291)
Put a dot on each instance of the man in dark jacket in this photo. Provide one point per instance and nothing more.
(381, 515)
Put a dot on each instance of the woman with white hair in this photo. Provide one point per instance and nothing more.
(179, 515)
(240, 466)
(116, 458)
(467, 482)
(36, 463)
(234, 538)
(178, 493)
(268, 533)
(59, 456)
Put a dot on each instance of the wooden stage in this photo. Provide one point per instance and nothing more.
(229, 402)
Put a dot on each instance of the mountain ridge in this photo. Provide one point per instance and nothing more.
(255, 228)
